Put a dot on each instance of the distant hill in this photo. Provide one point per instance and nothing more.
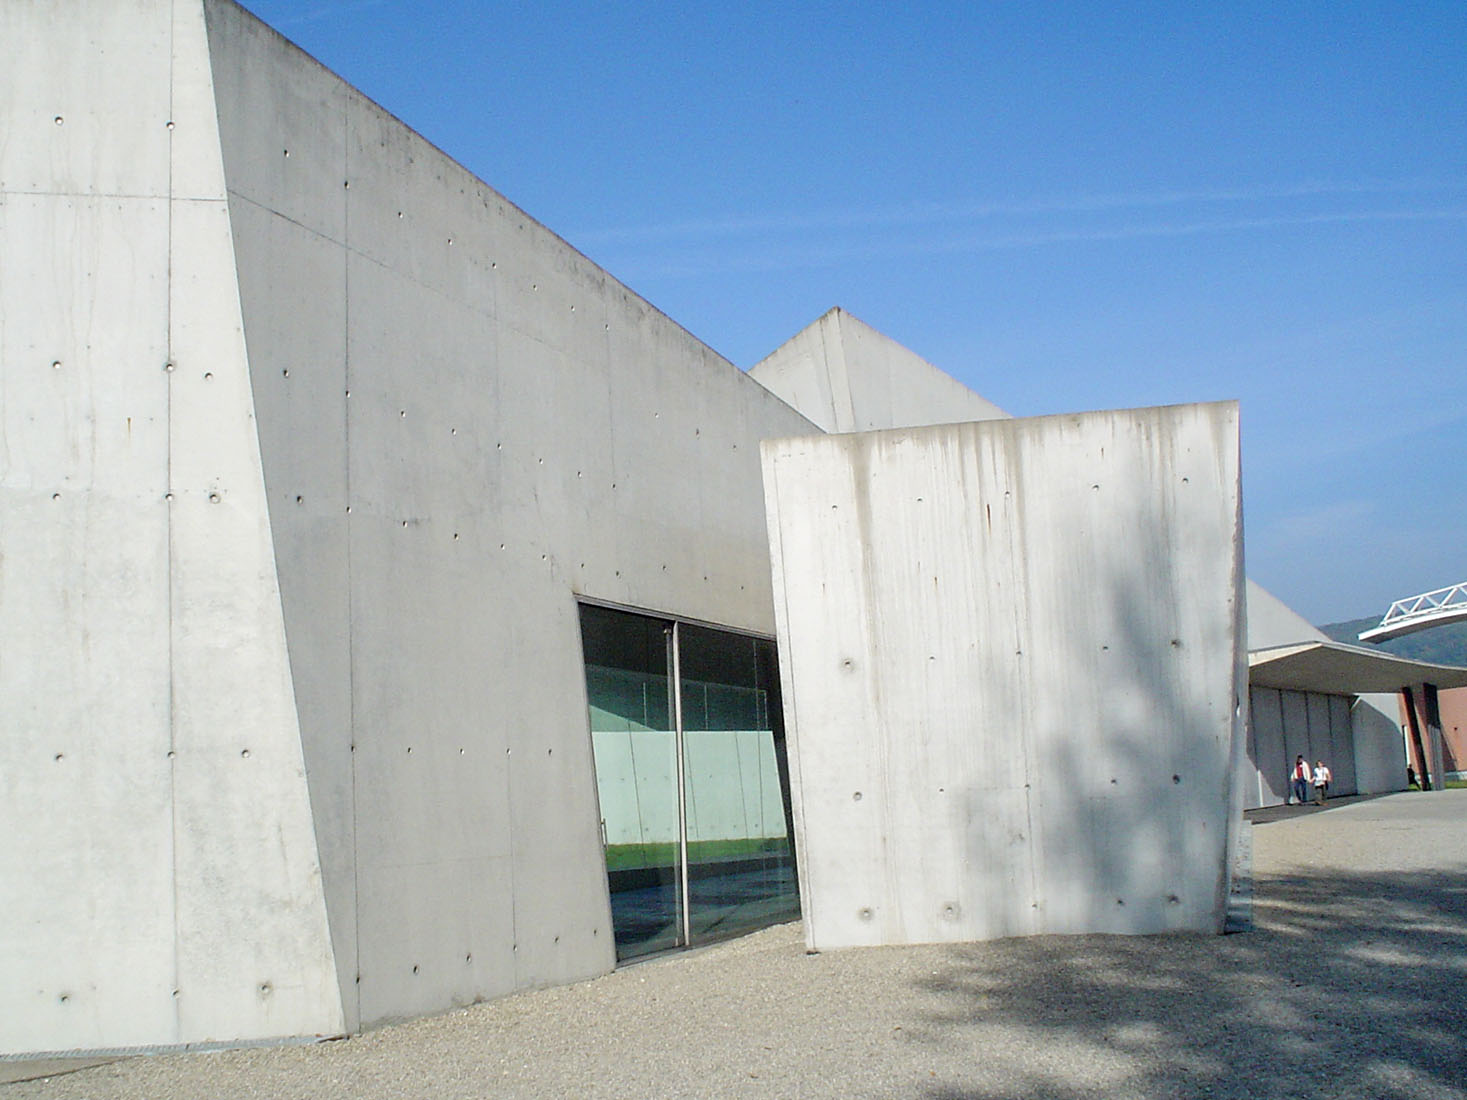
(1441, 645)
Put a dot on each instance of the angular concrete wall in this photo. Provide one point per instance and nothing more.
(1014, 674)
(470, 426)
(156, 842)
(847, 377)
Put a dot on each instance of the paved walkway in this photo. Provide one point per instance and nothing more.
(1353, 984)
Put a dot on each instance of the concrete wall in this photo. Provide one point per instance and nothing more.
(471, 426)
(847, 377)
(156, 842)
(291, 633)
(1364, 753)
(1286, 724)
(1013, 670)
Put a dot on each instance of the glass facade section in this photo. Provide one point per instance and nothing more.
(741, 872)
(629, 690)
(694, 816)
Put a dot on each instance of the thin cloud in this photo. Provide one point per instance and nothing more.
(935, 212)
(788, 258)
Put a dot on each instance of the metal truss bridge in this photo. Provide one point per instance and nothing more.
(1445, 605)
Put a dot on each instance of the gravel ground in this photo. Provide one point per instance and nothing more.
(1353, 983)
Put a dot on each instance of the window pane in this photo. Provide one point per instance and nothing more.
(741, 872)
(628, 690)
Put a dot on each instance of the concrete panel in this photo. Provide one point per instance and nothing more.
(1321, 745)
(85, 112)
(86, 920)
(1271, 622)
(282, 122)
(929, 598)
(1341, 760)
(1295, 707)
(1380, 752)
(847, 377)
(177, 869)
(1271, 760)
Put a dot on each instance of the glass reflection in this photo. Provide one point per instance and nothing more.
(735, 806)
(741, 872)
(629, 691)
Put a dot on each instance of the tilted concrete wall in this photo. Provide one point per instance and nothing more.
(296, 722)
(469, 426)
(161, 883)
(847, 377)
(1014, 673)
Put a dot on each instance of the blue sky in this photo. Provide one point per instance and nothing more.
(1065, 205)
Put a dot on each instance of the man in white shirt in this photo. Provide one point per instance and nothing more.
(1321, 782)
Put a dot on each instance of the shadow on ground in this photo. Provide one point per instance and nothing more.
(1354, 985)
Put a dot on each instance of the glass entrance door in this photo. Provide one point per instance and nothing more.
(690, 771)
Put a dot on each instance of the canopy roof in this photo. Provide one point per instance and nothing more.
(1338, 669)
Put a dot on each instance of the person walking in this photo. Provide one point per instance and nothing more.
(1321, 782)
(1301, 779)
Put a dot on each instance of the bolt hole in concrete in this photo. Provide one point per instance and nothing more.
(856, 797)
(865, 914)
(169, 124)
(59, 120)
(213, 498)
(244, 754)
(55, 364)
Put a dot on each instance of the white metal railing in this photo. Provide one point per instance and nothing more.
(1420, 612)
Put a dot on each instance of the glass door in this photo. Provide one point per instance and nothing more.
(634, 739)
(741, 870)
(690, 769)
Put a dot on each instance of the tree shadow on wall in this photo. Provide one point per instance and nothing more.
(1353, 985)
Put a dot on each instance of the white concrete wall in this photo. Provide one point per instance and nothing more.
(1286, 724)
(1014, 674)
(847, 377)
(156, 841)
(465, 424)
(1380, 748)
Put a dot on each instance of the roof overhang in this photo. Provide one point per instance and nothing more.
(1338, 669)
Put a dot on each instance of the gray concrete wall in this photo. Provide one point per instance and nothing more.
(312, 442)
(161, 883)
(847, 377)
(1365, 753)
(465, 424)
(1286, 724)
(1014, 675)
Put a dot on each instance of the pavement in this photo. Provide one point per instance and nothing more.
(1352, 983)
